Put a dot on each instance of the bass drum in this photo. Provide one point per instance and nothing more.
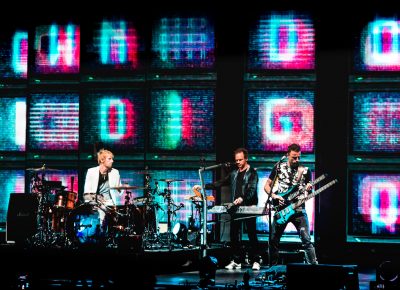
(85, 225)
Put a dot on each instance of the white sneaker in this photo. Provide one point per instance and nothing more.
(256, 266)
(232, 265)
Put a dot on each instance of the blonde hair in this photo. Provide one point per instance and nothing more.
(101, 155)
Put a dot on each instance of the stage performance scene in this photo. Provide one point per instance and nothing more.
(178, 145)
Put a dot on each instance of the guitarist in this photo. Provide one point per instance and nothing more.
(289, 175)
(243, 182)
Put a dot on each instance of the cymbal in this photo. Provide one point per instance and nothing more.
(43, 168)
(169, 180)
(124, 187)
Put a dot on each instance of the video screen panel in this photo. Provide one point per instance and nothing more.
(14, 55)
(183, 43)
(276, 119)
(114, 117)
(13, 124)
(373, 206)
(114, 46)
(57, 49)
(379, 46)
(376, 122)
(12, 180)
(53, 122)
(182, 120)
(282, 41)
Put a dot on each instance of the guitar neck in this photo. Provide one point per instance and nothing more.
(319, 190)
(296, 193)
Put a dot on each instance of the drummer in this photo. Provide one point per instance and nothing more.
(98, 182)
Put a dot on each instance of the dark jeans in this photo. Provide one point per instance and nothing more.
(300, 221)
(237, 247)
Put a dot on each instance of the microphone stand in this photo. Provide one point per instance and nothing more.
(203, 243)
(269, 205)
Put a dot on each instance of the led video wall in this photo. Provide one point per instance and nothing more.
(54, 122)
(13, 124)
(379, 47)
(182, 120)
(282, 41)
(12, 180)
(376, 122)
(262, 222)
(14, 55)
(115, 118)
(373, 206)
(183, 43)
(276, 119)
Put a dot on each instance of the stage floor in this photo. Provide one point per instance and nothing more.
(179, 267)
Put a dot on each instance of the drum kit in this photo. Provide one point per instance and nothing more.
(64, 222)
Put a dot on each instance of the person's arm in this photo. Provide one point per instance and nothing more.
(250, 189)
(268, 189)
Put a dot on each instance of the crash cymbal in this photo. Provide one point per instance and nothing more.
(125, 187)
(169, 180)
(43, 168)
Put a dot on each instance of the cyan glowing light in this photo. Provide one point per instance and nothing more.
(19, 53)
(12, 181)
(116, 119)
(13, 124)
(380, 45)
(174, 119)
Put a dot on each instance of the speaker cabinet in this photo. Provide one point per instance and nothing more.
(21, 217)
(322, 276)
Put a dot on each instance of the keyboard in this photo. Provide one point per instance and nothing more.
(250, 210)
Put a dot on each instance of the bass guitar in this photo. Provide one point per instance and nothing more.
(283, 215)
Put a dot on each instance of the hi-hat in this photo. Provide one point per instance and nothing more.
(43, 168)
(125, 187)
(169, 180)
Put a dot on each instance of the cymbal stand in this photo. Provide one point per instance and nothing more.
(150, 235)
(167, 196)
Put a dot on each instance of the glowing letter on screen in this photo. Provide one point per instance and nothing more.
(116, 117)
(62, 53)
(118, 43)
(379, 201)
(287, 121)
(20, 53)
(381, 47)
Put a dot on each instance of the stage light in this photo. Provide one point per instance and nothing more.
(387, 275)
(180, 232)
